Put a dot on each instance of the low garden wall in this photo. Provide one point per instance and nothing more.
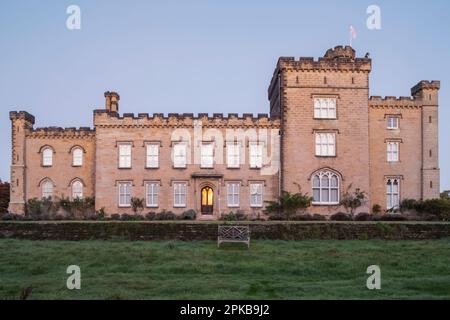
(189, 231)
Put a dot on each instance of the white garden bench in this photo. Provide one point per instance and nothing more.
(233, 234)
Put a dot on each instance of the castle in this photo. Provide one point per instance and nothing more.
(324, 135)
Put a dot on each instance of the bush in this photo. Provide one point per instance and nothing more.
(391, 217)
(289, 204)
(188, 215)
(165, 215)
(363, 216)
(12, 217)
(376, 209)
(115, 217)
(137, 205)
(431, 209)
(150, 216)
(4, 197)
(233, 216)
(352, 201)
(308, 217)
(341, 216)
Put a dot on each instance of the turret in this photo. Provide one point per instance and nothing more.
(112, 101)
(21, 123)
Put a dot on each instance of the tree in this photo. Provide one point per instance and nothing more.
(353, 200)
(137, 204)
(289, 204)
(4, 197)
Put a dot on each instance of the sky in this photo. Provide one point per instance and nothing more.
(202, 56)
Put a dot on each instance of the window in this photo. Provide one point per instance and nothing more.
(392, 151)
(325, 108)
(179, 194)
(179, 155)
(233, 194)
(325, 144)
(233, 155)
(47, 157)
(255, 151)
(152, 192)
(152, 155)
(325, 185)
(207, 155)
(77, 190)
(256, 194)
(393, 193)
(47, 189)
(125, 155)
(124, 194)
(392, 122)
(77, 157)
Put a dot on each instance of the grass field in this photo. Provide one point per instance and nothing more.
(198, 270)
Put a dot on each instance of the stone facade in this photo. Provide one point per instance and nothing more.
(324, 136)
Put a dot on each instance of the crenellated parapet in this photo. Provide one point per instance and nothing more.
(183, 120)
(62, 133)
(394, 102)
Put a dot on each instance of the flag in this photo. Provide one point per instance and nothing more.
(353, 33)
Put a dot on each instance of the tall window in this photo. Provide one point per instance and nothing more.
(233, 194)
(392, 122)
(125, 155)
(77, 157)
(207, 155)
(325, 108)
(325, 186)
(47, 189)
(255, 154)
(325, 144)
(124, 194)
(179, 194)
(152, 192)
(256, 194)
(152, 155)
(47, 157)
(180, 155)
(392, 151)
(392, 193)
(233, 153)
(77, 189)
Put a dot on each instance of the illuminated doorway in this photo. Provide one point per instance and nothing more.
(207, 200)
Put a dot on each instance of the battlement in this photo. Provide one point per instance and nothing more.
(58, 132)
(13, 115)
(425, 85)
(103, 118)
(391, 101)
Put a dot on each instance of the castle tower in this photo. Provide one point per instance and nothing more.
(320, 103)
(428, 94)
(21, 123)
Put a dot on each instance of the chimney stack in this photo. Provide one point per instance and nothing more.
(112, 101)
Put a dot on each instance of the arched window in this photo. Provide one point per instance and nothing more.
(392, 193)
(47, 189)
(325, 186)
(47, 157)
(77, 189)
(77, 155)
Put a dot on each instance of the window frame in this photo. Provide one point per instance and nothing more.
(74, 151)
(150, 162)
(259, 155)
(329, 174)
(43, 189)
(47, 153)
(81, 189)
(175, 193)
(174, 155)
(397, 123)
(209, 165)
(236, 155)
(154, 195)
(122, 156)
(319, 144)
(390, 194)
(235, 194)
(390, 152)
(261, 194)
(119, 193)
(318, 108)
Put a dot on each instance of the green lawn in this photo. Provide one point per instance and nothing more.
(198, 270)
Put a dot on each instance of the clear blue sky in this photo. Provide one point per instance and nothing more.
(202, 56)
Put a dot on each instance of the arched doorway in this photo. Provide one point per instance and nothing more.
(207, 200)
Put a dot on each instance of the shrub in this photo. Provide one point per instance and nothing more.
(431, 209)
(289, 204)
(137, 205)
(341, 216)
(150, 216)
(11, 217)
(352, 201)
(233, 216)
(391, 217)
(4, 197)
(165, 215)
(115, 217)
(309, 217)
(188, 215)
(376, 209)
(33, 207)
(363, 216)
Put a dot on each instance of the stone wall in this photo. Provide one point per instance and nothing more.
(189, 231)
